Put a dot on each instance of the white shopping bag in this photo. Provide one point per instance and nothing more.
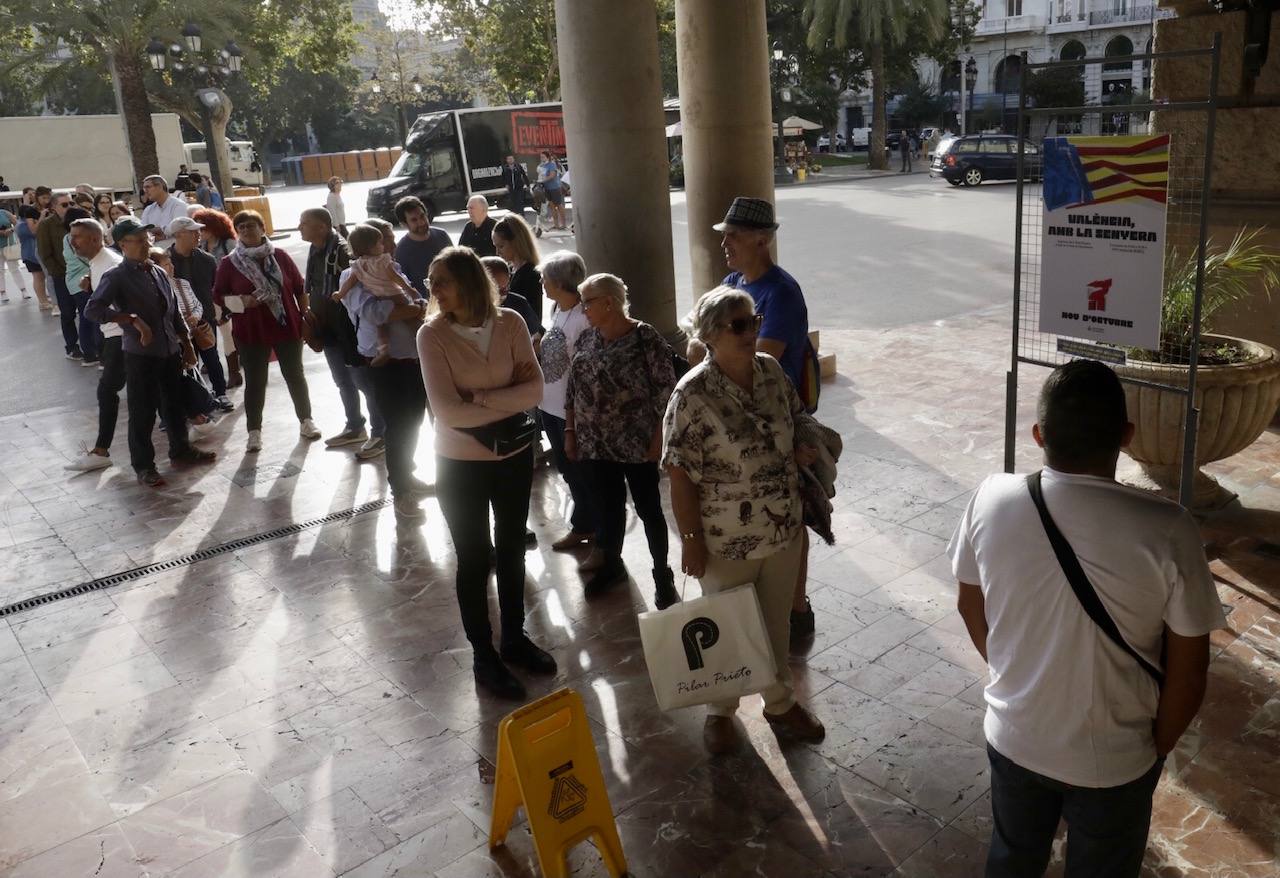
(710, 649)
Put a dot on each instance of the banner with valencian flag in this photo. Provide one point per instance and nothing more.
(1102, 252)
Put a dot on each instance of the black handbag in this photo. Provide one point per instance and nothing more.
(1080, 583)
(507, 436)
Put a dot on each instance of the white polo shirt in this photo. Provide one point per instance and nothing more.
(99, 265)
(160, 215)
(1062, 699)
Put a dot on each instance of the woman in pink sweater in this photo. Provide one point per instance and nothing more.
(482, 378)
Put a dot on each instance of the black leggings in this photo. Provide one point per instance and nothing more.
(467, 489)
(610, 481)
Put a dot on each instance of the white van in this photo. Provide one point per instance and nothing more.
(245, 168)
(859, 138)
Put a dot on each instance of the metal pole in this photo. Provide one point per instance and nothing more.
(1011, 376)
(1186, 486)
(1004, 78)
(964, 121)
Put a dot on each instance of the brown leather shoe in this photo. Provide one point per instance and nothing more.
(796, 723)
(571, 540)
(719, 735)
(594, 561)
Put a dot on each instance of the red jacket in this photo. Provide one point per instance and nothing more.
(257, 325)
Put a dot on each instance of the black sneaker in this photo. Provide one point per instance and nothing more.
(523, 653)
(803, 623)
(530, 539)
(150, 478)
(73, 353)
(612, 574)
(494, 677)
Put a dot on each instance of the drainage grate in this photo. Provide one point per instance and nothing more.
(114, 579)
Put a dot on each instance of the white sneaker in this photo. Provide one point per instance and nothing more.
(55, 312)
(199, 431)
(89, 462)
(375, 447)
(254, 442)
(307, 429)
(4, 298)
(26, 295)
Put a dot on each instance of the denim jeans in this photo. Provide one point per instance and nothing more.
(351, 382)
(1106, 827)
(89, 331)
(67, 312)
(583, 520)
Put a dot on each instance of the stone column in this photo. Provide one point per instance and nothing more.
(725, 114)
(616, 139)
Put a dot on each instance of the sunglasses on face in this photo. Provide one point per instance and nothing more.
(743, 325)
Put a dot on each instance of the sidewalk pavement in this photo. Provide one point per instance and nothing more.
(304, 706)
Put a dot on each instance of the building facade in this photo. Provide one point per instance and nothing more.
(1046, 30)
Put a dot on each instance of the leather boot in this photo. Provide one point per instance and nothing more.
(665, 593)
(234, 376)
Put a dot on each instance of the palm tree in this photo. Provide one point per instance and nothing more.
(878, 26)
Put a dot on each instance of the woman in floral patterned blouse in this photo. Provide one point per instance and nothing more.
(619, 384)
(735, 436)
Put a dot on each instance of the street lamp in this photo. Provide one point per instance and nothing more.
(206, 97)
(784, 95)
(417, 84)
(971, 82)
(155, 53)
(191, 34)
(374, 85)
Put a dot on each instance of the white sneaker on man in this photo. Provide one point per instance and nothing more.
(4, 298)
(254, 442)
(347, 437)
(199, 431)
(89, 462)
(307, 429)
(375, 447)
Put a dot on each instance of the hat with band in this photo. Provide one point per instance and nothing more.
(748, 213)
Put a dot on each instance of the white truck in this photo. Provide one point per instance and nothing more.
(245, 168)
(62, 151)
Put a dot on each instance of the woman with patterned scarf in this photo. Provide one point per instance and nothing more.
(263, 290)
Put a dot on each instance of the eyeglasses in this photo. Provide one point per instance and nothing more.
(586, 303)
(743, 325)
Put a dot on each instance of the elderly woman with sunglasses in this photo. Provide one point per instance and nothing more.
(735, 435)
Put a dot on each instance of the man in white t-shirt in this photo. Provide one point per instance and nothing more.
(1076, 727)
(88, 243)
(163, 209)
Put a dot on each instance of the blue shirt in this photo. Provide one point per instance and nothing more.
(551, 170)
(786, 318)
(27, 241)
(368, 312)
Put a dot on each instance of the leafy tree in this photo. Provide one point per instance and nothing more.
(816, 77)
(114, 34)
(1055, 87)
(879, 27)
(921, 105)
(514, 41)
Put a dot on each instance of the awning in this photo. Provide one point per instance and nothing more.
(674, 130)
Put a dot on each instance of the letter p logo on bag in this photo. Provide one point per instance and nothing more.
(698, 634)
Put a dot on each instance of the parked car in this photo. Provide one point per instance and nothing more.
(977, 157)
(824, 143)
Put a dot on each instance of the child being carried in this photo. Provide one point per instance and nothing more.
(374, 270)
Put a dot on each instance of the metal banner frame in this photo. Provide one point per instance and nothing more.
(1188, 207)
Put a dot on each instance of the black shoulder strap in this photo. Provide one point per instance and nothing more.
(1080, 583)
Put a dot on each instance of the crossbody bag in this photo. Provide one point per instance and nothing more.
(507, 436)
(1080, 583)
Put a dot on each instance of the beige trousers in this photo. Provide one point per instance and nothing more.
(775, 582)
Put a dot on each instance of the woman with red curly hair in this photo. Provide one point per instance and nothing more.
(218, 238)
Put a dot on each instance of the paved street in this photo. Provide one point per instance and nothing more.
(869, 254)
(302, 706)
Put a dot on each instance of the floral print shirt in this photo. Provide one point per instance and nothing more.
(618, 391)
(739, 449)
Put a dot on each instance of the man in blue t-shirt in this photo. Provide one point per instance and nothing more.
(748, 230)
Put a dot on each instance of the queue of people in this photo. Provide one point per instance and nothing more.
(1074, 727)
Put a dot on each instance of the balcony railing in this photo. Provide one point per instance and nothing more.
(1129, 15)
(1015, 23)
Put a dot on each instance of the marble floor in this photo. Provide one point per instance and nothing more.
(304, 707)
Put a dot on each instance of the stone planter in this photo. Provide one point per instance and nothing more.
(1237, 402)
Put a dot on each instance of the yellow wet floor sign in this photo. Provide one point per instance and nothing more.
(547, 764)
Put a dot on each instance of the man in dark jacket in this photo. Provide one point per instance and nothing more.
(49, 235)
(478, 232)
(516, 179)
(326, 260)
(197, 268)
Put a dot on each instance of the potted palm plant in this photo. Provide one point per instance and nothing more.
(1237, 380)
